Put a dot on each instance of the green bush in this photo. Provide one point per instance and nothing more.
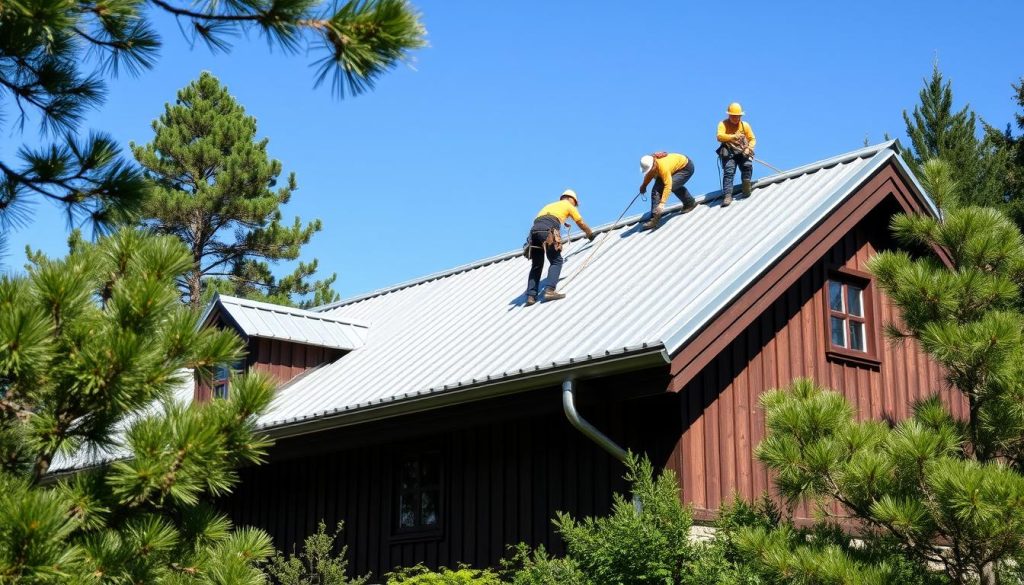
(421, 575)
(316, 564)
(537, 567)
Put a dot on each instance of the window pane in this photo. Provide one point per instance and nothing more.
(220, 391)
(835, 296)
(854, 294)
(222, 373)
(857, 340)
(838, 332)
(406, 511)
(428, 508)
(410, 475)
(429, 471)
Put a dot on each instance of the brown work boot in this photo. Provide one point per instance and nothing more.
(530, 300)
(551, 294)
(653, 222)
(689, 205)
(746, 188)
(727, 199)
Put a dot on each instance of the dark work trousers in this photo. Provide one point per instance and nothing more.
(729, 163)
(539, 233)
(679, 179)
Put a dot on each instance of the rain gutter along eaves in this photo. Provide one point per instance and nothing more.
(637, 359)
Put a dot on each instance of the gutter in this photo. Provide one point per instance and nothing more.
(640, 358)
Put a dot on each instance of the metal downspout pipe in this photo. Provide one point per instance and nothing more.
(569, 405)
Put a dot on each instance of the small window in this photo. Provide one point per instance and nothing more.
(418, 493)
(222, 379)
(849, 315)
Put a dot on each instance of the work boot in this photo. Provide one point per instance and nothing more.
(551, 294)
(653, 222)
(746, 188)
(689, 205)
(727, 199)
(530, 300)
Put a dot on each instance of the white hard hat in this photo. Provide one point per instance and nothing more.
(646, 162)
(571, 193)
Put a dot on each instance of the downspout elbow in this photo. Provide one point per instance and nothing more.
(569, 405)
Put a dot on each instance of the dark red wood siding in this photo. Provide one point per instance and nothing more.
(721, 418)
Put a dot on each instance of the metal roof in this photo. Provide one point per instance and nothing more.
(256, 319)
(468, 327)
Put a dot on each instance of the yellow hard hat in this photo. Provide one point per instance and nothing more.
(571, 193)
(735, 109)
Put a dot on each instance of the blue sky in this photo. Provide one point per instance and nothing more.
(447, 161)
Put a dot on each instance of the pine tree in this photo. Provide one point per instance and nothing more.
(938, 132)
(214, 190)
(47, 70)
(947, 492)
(92, 349)
(1012, 148)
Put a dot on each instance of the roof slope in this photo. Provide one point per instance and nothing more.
(256, 319)
(641, 290)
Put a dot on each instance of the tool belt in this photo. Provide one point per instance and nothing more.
(553, 239)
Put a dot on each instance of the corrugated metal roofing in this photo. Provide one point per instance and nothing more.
(257, 319)
(642, 289)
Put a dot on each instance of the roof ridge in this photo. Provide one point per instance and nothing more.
(285, 310)
(865, 152)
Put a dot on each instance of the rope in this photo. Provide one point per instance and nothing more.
(586, 262)
(772, 167)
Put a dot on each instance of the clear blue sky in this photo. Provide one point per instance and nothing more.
(448, 161)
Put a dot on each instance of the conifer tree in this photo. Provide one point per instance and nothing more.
(1012, 147)
(56, 55)
(92, 349)
(936, 131)
(947, 492)
(214, 190)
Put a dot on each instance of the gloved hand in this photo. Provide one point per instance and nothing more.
(591, 236)
(643, 190)
(660, 209)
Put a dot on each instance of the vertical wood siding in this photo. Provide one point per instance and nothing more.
(721, 418)
(281, 359)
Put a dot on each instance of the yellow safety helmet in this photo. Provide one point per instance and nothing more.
(571, 193)
(735, 109)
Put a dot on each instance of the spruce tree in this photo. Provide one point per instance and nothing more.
(936, 131)
(92, 349)
(56, 55)
(1012, 148)
(214, 190)
(946, 492)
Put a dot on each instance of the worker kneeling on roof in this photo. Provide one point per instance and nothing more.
(670, 172)
(545, 240)
(736, 147)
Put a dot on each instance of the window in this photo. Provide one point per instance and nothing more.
(222, 378)
(418, 493)
(849, 315)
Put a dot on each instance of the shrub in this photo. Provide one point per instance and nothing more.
(315, 564)
(464, 575)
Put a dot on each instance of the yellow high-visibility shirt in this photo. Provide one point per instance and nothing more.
(562, 209)
(664, 167)
(727, 130)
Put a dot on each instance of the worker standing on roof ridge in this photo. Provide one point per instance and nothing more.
(736, 147)
(670, 172)
(545, 240)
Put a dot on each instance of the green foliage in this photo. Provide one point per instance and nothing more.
(1012, 147)
(214, 190)
(56, 56)
(92, 349)
(420, 575)
(642, 541)
(936, 131)
(537, 567)
(316, 564)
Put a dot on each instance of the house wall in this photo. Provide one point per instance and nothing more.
(283, 360)
(509, 465)
(722, 422)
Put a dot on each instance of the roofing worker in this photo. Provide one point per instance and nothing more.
(736, 148)
(670, 172)
(545, 240)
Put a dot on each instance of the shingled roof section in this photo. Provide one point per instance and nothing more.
(643, 293)
(269, 321)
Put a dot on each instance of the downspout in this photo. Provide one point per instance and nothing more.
(569, 405)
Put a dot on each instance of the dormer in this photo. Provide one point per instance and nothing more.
(284, 342)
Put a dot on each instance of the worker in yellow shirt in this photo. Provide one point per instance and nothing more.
(545, 240)
(670, 172)
(736, 147)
